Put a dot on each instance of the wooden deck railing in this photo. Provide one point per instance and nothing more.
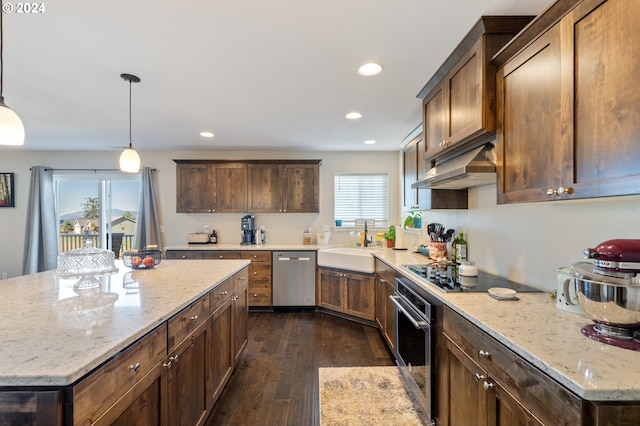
(75, 241)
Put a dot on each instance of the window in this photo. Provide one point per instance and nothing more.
(360, 196)
(100, 207)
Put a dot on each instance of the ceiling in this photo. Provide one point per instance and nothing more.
(260, 75)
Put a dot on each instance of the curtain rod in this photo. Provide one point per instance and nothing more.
(87, 170)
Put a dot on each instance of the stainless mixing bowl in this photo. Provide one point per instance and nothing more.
(608, 300)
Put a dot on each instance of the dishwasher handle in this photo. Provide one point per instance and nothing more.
(294, 258)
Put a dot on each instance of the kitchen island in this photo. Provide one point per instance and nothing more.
(55, 339)
(601, 378)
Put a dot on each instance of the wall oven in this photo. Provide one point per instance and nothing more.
(414, 342)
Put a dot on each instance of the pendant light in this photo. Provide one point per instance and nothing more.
(11, 128)
(129, 159)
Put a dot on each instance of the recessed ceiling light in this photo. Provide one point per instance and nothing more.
(353, 115)
(206, 134)
(370, 69)
(369, 142)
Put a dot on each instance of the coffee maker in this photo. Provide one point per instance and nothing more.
(248, 230)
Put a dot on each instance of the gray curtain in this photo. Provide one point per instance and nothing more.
(41, 233)
(148, 225)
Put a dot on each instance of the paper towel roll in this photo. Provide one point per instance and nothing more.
(399, 236)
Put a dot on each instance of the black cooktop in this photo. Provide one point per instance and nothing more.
(452, 282)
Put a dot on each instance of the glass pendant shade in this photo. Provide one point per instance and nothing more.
(11, 128)
(130, 161)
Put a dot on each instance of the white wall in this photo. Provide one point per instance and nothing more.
(524, 242)
(528, 242)
(281, 228)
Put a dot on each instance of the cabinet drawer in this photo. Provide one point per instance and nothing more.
(100, 390)
(184, 323)
(386, 272)
(260, 295)
(221, 254)
(220, 294)
(546, 399)
(183, 254)
(259, 272)
(256, 256)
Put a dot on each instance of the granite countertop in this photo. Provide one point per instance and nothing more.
(52, 338)
(268, 247)
(547, 337)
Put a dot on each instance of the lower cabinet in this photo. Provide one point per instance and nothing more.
(175, 374)
(385, 309)
(488, 384)
(349, 293)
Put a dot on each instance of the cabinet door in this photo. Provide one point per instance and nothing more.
(465, 111)
(193, 192)
(410, 175)
(504, 409)
(529, 152)
(221, 359)
(301, 188)
(187, 382)
(265, 188)
(330, 293)
(600, 45)
(435, 121)
(230, 182)
(360, 296)
(240, 309)
(145, 403)
(467, 398)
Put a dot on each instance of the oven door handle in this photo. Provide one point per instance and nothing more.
(417, 323)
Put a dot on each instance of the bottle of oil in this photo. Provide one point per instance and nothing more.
(461, 249)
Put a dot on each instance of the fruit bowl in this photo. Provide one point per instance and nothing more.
(142, 259)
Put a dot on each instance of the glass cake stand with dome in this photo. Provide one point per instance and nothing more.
(87, 264)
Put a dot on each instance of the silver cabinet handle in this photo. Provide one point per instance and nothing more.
(487, 386)
(484, 354)
(184, 256)
(167, 364)
(194, 318)
(174, 358)
(479, 376)
(135, 367)
(559, 192)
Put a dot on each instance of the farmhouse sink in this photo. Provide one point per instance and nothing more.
(349, 258)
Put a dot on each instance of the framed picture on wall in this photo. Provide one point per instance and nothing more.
(6, 190)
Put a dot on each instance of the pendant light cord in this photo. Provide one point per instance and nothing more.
(130, 144)
(1, 56)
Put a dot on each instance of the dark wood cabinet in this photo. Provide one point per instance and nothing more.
(566, 105)
(347, 292)
(221, 357)
(220, 186)
(187, 381)
(284, 188)
(211, 188)
(499, 387)
(385, 309)
(459, 100)
(413, 168)
(260, 287)
(239, 313)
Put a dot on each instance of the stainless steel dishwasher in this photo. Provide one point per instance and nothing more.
(294, 278)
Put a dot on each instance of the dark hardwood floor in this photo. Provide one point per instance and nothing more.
(276, 381)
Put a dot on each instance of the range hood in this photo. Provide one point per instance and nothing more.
(473, 168)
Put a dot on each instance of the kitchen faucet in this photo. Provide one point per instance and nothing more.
(366, 238)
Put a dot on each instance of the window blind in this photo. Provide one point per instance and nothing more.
(361, 196)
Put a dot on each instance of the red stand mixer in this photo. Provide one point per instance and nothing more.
(608, 291)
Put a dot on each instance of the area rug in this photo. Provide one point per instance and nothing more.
(354, 396)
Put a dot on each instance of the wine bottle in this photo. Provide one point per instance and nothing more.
(461, 249)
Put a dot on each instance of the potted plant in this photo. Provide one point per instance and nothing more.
(390, 236)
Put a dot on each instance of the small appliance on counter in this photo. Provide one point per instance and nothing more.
(198, 238)
(608, 292)
(261, 235)
(247, 224)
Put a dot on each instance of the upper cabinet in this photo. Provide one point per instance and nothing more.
(567, 104)
(211, 188)
(284, 188)
(220, 186)
(413, 167)
(459, 100)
